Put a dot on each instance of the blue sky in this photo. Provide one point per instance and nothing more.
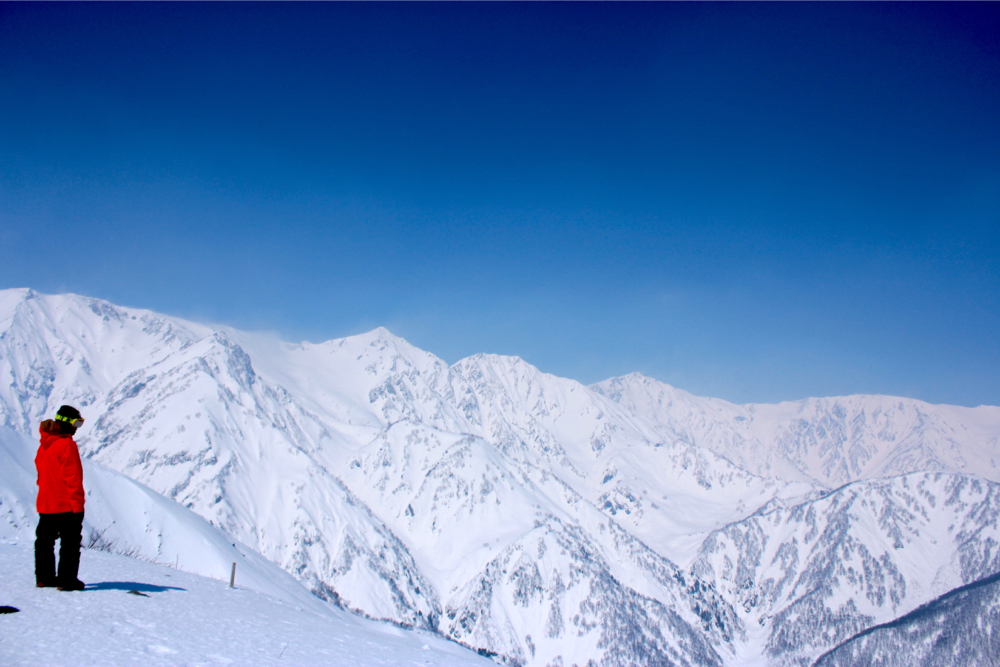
(759, 202)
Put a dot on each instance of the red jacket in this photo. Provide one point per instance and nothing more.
(60, 473)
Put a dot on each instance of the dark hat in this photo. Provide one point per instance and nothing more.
(69, 412)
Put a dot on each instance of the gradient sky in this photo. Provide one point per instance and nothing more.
(758, 202)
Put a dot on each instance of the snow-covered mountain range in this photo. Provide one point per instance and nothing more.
(529, 517)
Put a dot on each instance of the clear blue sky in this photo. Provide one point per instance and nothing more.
(758, 202)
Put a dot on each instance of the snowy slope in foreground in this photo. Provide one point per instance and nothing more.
(124, 516)
(184, 619)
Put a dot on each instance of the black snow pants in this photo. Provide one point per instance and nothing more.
(67, 527)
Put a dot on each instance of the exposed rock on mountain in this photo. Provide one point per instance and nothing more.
(955, 629)
(815, 574)
(528, 516)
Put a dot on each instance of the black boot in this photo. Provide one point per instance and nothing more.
(75, 585)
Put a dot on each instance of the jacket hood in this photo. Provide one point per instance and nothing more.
(54, 429)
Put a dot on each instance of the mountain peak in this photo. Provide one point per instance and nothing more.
(481, 499)
(377, 335)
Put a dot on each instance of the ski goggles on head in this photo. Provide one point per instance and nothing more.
(75, 423)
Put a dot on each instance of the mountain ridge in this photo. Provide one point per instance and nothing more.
(509, 509)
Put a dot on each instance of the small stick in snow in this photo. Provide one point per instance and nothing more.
(232, 577)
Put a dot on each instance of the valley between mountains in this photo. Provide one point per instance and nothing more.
(528, 517)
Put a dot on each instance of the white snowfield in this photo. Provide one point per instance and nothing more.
(523, 515)
(184, 619)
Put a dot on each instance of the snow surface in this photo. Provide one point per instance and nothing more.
(186, 619)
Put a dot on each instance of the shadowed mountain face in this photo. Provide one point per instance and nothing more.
(955, 629)
(523, 514)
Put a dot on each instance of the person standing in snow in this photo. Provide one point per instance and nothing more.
(60, 502)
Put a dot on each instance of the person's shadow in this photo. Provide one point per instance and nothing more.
(130, 586)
